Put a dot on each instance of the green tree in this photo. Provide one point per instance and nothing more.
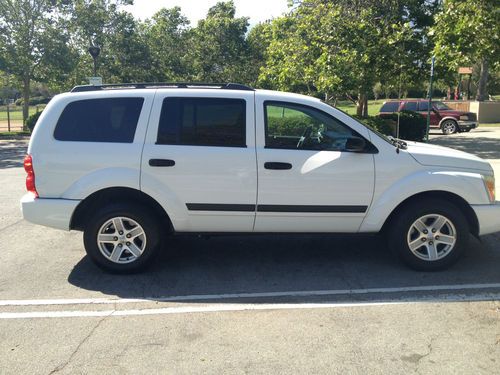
(344, 48)
(33, 46)
(167, 35)
(468, 32)
(218, 49)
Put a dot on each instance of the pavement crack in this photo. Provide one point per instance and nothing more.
(62, 366)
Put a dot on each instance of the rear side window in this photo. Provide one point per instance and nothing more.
(390, 107)
(99, 120)
(203, 122)
(410, 106)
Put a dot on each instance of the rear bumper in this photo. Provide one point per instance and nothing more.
(54, 213)
(467, 124)
(488, 216)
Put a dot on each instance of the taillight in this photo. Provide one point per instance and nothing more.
(30, 178)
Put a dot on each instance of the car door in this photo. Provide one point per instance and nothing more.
(423, 106)
(307, 181)
(199, 159)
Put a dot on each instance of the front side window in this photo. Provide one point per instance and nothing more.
(423, 106)
(440, 106)
(203, 122)
(99, 120)
(294, 126)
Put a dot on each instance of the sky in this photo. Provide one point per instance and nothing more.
(194, 10)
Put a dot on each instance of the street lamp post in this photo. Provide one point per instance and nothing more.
(94, 52)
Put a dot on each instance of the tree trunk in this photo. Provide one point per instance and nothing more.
(365, 106)
(26, 100)
(359, 105)
(482, 94)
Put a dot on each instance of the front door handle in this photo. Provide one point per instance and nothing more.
(161, 162)
(277, 165)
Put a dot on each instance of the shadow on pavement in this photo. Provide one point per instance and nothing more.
(280, 263)
(486, 148)
(12, 153)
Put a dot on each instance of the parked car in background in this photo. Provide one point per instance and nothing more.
(442, 117)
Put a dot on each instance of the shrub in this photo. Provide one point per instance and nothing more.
(412, 125)
(290, 126)
(31, 121)
(36, 100)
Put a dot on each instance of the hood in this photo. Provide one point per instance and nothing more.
(440, 156)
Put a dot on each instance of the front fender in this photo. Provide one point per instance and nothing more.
(467, 185)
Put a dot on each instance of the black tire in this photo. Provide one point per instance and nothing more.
(449, 127)
(402, 232)
(150, 241)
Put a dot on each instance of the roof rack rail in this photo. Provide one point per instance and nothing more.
(154, 85)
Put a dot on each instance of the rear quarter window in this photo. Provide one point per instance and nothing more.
(390, 107)
(99, 120)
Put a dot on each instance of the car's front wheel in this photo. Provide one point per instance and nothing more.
(449, 127)
(122, 238)
(429, 235)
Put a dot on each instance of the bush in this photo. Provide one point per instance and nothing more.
(412, 125)
(36, 100)
(31, 121)
(379, 124)
(290, 126)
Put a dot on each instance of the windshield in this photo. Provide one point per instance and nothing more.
(440, 106)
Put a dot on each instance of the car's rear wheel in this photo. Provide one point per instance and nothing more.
(122, 238)
(449, 127)
(429, 235)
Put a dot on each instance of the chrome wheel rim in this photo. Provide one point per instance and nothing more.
(449, 127)
(431, 237)
(121, 240)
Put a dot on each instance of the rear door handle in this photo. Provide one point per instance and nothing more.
(277, 165)
(161, 162)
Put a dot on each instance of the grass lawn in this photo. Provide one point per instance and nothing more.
(16, 112)
(490, 125)
(349, 107)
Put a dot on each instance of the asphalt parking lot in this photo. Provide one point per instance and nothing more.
(244, 304)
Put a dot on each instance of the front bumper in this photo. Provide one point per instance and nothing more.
(54, 213)
(488, 216)
(467, 124)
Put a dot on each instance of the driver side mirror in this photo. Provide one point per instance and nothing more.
(355, 144)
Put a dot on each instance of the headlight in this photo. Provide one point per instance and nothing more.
(489, 184)
(464, 117)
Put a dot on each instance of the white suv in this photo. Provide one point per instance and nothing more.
(130, 164)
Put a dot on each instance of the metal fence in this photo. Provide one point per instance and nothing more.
(11, 117)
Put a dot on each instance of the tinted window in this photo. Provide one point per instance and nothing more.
(203, 122)
(99, 120)
(423, 106)
(293, 126)
(410, 106)
(390, 107)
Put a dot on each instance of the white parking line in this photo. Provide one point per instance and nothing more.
(238, 307)
(208, 297)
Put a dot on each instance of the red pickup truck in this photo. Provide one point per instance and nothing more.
(442, 117)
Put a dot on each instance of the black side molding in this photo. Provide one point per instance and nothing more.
(275, 208)
(220, 207)
(312, 209)
(161, 162)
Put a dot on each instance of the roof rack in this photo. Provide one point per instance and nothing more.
(154, 85)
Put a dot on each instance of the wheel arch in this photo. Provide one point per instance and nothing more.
(448, 118)
(115, 195)
(455, 199)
